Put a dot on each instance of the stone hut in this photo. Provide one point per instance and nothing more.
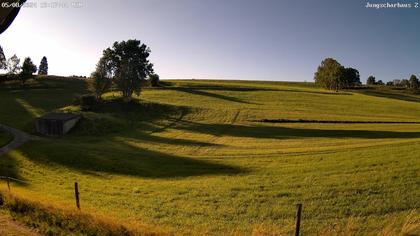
(56, 124)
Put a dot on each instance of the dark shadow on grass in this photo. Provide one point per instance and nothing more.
(114, 116)
(147, 110)
(122, 158)
(9, 168)
(276, 132)
(390, 94)
(208, 94)
(43, 84)
(199, 87)
(315, 92)
(104, 156)
(175, 141)
(148, 133)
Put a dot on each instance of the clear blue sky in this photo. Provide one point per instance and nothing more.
(229, 39)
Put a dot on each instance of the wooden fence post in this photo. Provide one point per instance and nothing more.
(8, 184)
(76, 192)
(298, 215)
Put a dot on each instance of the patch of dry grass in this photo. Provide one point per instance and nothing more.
(53, 220)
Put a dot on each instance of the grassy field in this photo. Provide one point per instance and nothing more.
(192, 158)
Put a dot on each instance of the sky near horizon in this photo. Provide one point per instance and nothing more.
(281, 40)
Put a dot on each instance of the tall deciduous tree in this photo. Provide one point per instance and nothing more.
(351, 77)
(405, 83)
(3, 62)
(371, 80)
(43, 66)
(329, 74)
(414, 82)
(129, 66)
(154, 80)
(13, 65)
(28, 68)
(101, 79)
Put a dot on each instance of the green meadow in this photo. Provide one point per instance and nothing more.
(192, 156)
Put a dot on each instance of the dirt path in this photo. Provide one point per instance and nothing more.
(10, 227)
(20, 138)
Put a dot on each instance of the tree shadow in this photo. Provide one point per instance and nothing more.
(136, 107)
(391, 95)
(144, 137)
(11, 108)
(114, 116)
(208, 94)
(339, 93)
(215, 87)
(122, 158)
(105, 155)
(276, 132)
(199, 87)
(9, 168)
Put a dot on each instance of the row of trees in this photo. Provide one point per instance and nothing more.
(411, 83)
(125, 66)
(22, 72)
(332, 75)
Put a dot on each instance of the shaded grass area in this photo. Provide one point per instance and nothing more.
(186, 157)
(121, 158)
(21, 105)
(5, 138)
(392, 93)
(278, 132)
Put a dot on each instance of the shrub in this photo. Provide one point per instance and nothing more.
(86, 101)
(371, 80)
(101, 79)
(154, 80)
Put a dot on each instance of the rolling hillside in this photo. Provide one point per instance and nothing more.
(193, 156)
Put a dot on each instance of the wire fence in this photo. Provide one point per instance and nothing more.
(8, 180)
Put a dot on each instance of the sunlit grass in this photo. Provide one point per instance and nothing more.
(191, 158)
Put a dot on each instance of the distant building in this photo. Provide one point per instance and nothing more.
(56, 124)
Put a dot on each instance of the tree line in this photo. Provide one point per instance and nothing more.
(332, 75)
(22, 72)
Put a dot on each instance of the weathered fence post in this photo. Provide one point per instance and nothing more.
(76, 192)
(298, 215)
(8, 184)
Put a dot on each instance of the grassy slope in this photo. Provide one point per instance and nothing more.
(189, 157)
